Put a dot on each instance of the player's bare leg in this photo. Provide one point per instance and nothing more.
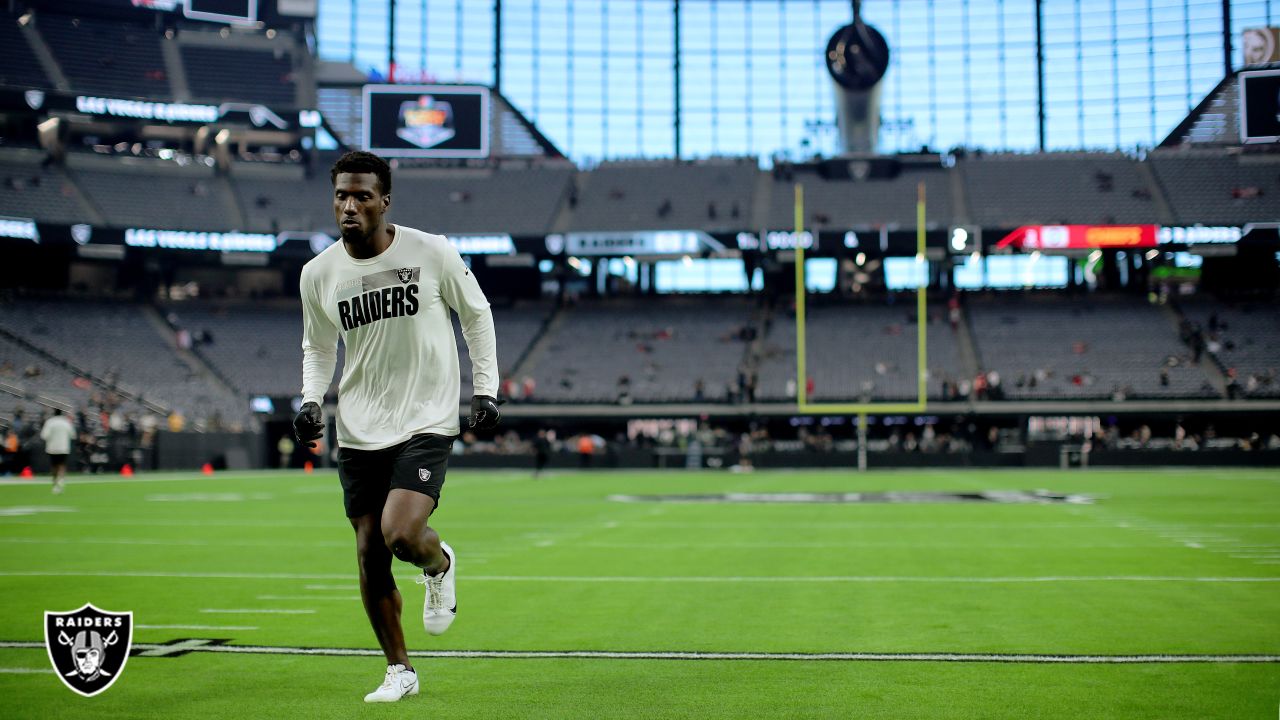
(409, 538)
(59, 474)
(382, 602)
(407, 535)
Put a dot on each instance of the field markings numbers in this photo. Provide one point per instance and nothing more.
(1233, 547)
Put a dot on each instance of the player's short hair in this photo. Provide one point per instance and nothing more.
(359, 161)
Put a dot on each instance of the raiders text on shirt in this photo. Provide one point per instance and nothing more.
(382, 295)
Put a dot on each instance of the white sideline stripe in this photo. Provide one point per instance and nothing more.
(184, 543)
(255, 611)
(33, 671)
(163, 574)
(330, 587)
(680, 655)
(867, 579)
(667, 579)
(146, 478)
(195, 627)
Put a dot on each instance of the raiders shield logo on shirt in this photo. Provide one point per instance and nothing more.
(405, 274)
(88, 647)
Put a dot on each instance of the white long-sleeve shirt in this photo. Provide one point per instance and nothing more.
(57, 433)
(392, 311)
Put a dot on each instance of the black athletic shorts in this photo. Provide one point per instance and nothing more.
(367, 476)
(57, 458)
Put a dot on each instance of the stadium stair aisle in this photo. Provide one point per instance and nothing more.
(174, 68)
(968, 348)
(1209, 363)
(231, 199)
(527, 356)
(193, 359)
(564, 216)
(96, 216)
(42, 52)
(961, 212)
(1164, 211)
(761, 201)
(541, 341)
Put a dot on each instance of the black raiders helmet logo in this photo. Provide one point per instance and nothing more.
(88, 647)
(405, 274)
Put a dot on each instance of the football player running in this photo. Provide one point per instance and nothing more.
(387, 291)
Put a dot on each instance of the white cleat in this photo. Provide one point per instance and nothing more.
(441, 605)
(57, 488)
(398, 683)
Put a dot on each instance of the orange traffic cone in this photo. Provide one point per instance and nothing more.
(26, 472)
(207, 469)
(127, 470)
(308, 467)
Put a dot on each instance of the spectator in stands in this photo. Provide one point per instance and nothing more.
(665, 208)
(994, 391)
(586, 449)
(980, 386)
(699, 390)
(527, 387)
(177, 423)
(1164, 377)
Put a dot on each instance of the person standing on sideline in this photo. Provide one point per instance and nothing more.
(58, 433)
(388, 290)
(541, 453)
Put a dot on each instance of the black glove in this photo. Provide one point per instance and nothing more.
(484, 412)
(308, 425)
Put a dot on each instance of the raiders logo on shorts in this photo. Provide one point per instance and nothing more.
(424, 474)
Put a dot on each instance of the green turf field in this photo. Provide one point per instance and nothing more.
(818, 610)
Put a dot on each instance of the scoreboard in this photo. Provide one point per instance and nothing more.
(427, 121)
(1260, 106)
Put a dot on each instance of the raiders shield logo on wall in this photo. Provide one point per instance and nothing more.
(88, 647)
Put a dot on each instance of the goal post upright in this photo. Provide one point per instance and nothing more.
(803, 404)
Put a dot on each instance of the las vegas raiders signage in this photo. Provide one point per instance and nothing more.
(88, 647)
(435, 121)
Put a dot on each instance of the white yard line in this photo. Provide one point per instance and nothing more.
(1030, 658)
(670, 578)
(195, 627)
(256, 611)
